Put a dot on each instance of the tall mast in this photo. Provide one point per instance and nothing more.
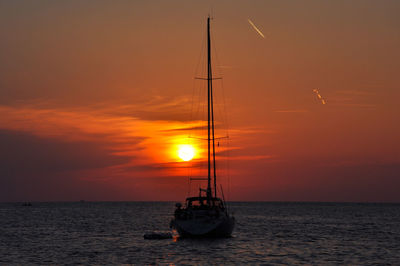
(209, 85)
(212, 126)
(211, 135)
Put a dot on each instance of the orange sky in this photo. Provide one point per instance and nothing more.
(96, 96)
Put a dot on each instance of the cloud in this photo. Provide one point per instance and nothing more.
(354, 99)
(52, 146)
(24, 152)
(39, 168)
(116, 126)
(158, 108)
(188, 128)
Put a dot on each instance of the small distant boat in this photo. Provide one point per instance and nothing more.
(205, 215)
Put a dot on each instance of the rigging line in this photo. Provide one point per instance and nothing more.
(201, 93)
(192, 105)
(201, 54)
(228, 140)
(213, 142)
(219, 69)
(212, 108)
(211, 105)
(201, 65)
(188, 184)
(196, 71)
(202, 88)
(228, 171)
(224, 116)
(225, 108)
(192, 112)
(223, 113)
(217, 107)
(200, 107)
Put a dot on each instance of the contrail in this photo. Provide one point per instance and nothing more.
(256, 29)
(319, 96)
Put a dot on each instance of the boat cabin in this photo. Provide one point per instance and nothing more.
(201, 202)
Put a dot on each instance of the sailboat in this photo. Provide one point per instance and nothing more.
(205, 215)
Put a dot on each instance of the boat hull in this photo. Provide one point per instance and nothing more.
(219, 227)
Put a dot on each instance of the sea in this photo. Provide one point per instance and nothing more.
(266, 233)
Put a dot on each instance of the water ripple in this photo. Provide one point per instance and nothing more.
(266, 233)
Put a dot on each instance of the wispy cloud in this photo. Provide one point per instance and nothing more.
(153, 108)
(105, 145)
(354, 99)
(118, 131)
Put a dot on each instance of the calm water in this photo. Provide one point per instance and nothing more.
(265, 233)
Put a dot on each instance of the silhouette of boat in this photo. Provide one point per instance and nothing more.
(205, 215)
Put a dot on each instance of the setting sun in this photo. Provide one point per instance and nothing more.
(186, 152)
